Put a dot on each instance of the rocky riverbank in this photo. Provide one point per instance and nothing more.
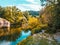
(40, 39)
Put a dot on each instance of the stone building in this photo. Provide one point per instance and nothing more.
(4, 23)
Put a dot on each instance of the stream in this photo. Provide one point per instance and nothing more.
(23, 36)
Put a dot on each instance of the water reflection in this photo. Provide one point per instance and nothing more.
(23, 36)
(11, 35)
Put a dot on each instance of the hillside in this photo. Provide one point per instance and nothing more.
(33, 13)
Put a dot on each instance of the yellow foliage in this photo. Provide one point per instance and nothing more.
(32, 20)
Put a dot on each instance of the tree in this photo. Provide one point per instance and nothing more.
(51, 16)
(16, 14)
(26, 14)
(42, 2)
(1, 11)
(12, 14)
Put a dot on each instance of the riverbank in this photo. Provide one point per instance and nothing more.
(40, 39)
(21, 37)
(57, 37)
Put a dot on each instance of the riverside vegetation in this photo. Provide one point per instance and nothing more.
(48, 20)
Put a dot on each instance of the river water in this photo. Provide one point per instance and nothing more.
(23, 36)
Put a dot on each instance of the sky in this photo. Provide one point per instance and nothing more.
(23, 4)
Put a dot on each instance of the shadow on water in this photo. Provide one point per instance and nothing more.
(7, 35)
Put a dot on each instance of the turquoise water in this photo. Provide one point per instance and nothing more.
(23, 36)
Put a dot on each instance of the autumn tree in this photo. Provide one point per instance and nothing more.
(26, 14)
(12, 14)
(51, 15)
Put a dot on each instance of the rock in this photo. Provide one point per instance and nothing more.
(57, 36)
